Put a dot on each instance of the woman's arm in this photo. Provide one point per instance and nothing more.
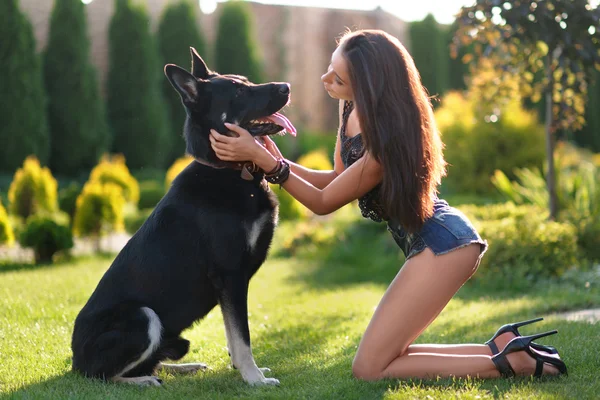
(351, 184)
(317, 178)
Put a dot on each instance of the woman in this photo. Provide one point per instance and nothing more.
(389, 156)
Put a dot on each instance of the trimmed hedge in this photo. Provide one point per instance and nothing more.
(46, 235)
(32, 190)
(99, 210)
(7, 236)
(113, 169)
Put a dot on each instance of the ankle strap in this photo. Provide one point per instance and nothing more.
(503, 365)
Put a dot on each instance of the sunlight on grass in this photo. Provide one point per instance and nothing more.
(307, 334)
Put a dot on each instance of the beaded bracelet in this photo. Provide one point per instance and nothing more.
(280, 174)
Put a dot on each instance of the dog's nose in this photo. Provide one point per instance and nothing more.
(284, 89)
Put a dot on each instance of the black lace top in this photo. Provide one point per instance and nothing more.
(351, 150)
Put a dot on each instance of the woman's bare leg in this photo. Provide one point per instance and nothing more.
(419, 292)
(481, 349)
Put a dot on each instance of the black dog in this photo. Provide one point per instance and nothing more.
(204, 241)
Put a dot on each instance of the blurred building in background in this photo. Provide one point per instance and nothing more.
(295, 45)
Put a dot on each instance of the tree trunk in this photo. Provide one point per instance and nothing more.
(551, 177)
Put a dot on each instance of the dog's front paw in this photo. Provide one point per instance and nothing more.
(189, 368)
(140, 380)
(265, 381)
(151, 381)
(271, 381)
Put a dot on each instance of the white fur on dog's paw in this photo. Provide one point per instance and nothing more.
(265, 369)
(266, 381)
(140, 380)
(151, 381)
(271, 381)
(189, 368)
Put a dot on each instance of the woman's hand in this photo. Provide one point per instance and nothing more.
(241, 148)
(272, 147)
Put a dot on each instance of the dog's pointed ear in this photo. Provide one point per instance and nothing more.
(199, 68)
(185, 83)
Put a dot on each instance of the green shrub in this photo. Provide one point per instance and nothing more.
(174, 170)
(7, 236)
(524, 244)
(47, 235)
(99, 210)
(476, 146)
(24, 127)
(76, 112)
(430, 53)
(236, 51)
(32, 190)
(588, 238)
(135, 221)
(67, 198)
(316, 159)
(289, 207)
(577, 191)
(178, 24)
(114, 170)
(150, 194)
(136, 109)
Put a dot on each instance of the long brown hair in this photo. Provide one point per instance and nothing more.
(397, 124)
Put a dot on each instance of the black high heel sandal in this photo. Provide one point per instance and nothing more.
(523, 343)
(513, 328)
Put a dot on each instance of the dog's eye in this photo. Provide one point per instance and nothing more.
(240, 91)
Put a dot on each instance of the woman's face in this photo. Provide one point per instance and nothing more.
(336, 79)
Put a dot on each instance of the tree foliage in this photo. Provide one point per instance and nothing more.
(236, 49)
(177, 31)
(561, 38)
(75, 109)
(136, 108)
(24, 126)
(430, 52)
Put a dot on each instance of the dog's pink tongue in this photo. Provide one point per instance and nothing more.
(282, 120)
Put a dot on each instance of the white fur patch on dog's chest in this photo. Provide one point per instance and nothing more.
(254, 229)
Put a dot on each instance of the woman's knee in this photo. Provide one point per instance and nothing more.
(368, 369)
(365, 370)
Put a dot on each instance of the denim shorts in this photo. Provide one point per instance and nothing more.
(448, 229)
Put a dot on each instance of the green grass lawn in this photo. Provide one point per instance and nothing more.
(307, 314)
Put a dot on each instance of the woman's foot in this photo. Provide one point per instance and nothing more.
(525, 365)
(520, 358)
(502, 340)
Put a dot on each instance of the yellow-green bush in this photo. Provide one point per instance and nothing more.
(524, 244)
(32, 190)
(6, 231)
(113, 169)
(477, 145)
(46, 234)
(178, 166)
(316, 159)
(289, 207)
(99, 209)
